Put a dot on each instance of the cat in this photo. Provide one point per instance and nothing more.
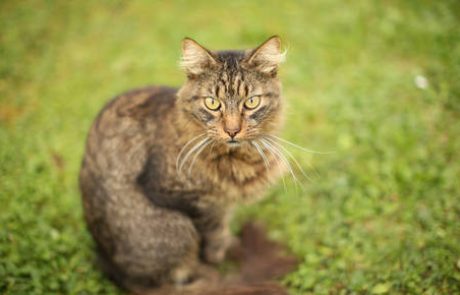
(164, 167)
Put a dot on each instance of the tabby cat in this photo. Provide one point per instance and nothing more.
(164, 167)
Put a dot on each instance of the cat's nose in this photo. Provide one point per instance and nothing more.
(233, 131)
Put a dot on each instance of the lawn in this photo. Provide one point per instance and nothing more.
(374, 83)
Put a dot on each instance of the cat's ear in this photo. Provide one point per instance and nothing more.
(195, 58)
(267, 57)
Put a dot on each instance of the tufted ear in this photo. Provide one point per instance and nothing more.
(267, 57)
(195, 58)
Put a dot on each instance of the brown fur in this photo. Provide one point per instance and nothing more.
(156, 201)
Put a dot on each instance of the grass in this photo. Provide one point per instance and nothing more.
(382, 213)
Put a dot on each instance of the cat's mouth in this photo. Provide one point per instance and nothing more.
(233, 143)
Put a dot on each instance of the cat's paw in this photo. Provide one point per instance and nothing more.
(215, 254)
(216, 251)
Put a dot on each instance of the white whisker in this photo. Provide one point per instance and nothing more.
(190, 152)
(203, 146)
(184, 148)
(283, 158)
(298, 146)
(212, 146)
(299, 167)
(278, 162)
(262, 155)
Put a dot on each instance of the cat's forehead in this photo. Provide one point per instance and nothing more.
(231, 80)
(230, 59)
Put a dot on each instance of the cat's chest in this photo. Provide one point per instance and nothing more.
(224, 179)
(233, 179)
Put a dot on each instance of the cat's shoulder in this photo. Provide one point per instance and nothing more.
(135, 109)
(141, 102)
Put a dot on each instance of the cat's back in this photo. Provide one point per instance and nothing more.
(137, 106)
(137, 110)
(127, 126)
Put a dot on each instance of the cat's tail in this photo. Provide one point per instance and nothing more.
(261, 262)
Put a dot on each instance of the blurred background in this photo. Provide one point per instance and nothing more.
(375, 82)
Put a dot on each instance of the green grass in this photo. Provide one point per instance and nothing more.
(382, 214)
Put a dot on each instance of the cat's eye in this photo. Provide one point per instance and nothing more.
(252, 102)
(212, 103)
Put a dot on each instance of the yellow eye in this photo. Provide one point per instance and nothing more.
(252, 102)
(212, 103)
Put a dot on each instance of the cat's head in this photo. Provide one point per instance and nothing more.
(234, 96)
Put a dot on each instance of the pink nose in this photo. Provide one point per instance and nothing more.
(233, 131)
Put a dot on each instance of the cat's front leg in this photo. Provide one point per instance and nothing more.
(216, 236)
(216, 244)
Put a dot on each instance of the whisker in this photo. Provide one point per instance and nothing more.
(285, 161)
(190, 152)
(299, 167)
(184, 148)
(283, 158)
(203, 146)
(262, 154)
(278, 162)
(279, 158)
(299, 147)
(212, 146)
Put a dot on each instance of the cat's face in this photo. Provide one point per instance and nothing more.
(233, 95)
